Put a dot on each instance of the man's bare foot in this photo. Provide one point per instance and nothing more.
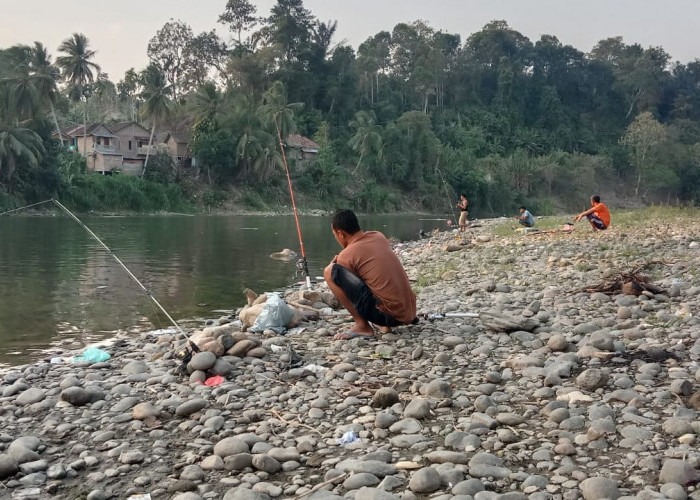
(349, 335)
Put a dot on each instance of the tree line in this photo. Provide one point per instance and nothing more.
(409, 119)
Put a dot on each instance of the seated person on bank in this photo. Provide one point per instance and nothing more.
(368, 279)
(598, 215)
(525, 218)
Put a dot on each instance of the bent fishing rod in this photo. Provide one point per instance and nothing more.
(302, 264)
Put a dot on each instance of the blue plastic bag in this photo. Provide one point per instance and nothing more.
(93, 355)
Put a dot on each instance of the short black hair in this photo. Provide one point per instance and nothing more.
(522, 208)
(595, 198)
(345, 220)
(463, 195)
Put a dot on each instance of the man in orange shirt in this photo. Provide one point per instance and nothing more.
(368, 279)
(598, 215)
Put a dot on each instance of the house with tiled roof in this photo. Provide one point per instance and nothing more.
(115, 148)
(301, 148)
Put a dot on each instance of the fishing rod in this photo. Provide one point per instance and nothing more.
(126, 269)
(444, 185)
(302, 264)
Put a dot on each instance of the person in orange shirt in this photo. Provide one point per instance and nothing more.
(368, 279)
(598, 215)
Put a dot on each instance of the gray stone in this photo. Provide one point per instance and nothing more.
(192, 473)
(438, 389)
(598, 488)
(379, 469)
(591, 379)
(357, 481)
(425, 480)
(213, 462)
(221, 367)
(142, 411)
(8, 466)
(77, 396)
(385, 397)
(469, 487)
(201, 361)
(602, 340)
(231, 446)
(245, 494)
(443, 456)
(266, 463)
(135, 367)
(189, 407)
(30, 396)
(417, 408)
(677, 471)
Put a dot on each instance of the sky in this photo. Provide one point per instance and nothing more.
(120, 31)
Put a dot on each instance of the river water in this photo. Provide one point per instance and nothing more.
(60, 289)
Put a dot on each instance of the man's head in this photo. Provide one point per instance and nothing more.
(522, 209)
(344, 224)
(463, 196)
(595, 199)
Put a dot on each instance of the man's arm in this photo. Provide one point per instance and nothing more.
(583, 214)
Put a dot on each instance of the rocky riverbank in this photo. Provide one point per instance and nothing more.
(551, 392)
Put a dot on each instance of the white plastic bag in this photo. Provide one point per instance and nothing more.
(274, 316)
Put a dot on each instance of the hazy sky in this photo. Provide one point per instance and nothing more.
(120, 30)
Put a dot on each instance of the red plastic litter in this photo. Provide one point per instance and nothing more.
(214, 381)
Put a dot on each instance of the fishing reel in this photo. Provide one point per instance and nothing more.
(302, 267)
(185, 354)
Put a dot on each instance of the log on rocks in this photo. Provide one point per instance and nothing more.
(505, 323)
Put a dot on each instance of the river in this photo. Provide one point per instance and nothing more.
(60, 289)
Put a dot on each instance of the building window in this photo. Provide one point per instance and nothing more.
(99, 141)
(129, 145)
(106, 141)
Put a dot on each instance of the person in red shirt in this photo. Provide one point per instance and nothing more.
(598, 215)
(368, 279)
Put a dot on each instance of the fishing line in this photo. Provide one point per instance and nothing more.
(126, 269)
(28, 206)
(303, 264)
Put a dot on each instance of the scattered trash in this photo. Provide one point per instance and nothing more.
(140, 496)
(93, 355)
(27, 494)
(274, 316)
(348, 437)
(56, 360)
(316, 368)
(297, 330)
(214, 381)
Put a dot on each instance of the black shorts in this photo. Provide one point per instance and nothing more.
(596, 221)
(361, 296)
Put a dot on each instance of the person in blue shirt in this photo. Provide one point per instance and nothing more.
(525, 218)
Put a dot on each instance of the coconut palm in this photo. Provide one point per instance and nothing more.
(78, 70)
(16, 142)
(45, 76)
(277, 112)
(156, 101)
(207, 103)
(368, 135)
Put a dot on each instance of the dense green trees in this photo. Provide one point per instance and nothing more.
(502, 118)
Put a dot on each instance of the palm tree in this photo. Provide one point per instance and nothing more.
(46, 76)
(16, 142)
(368, 136)
(156, 96)
(277, 112)
(207, 103)
(78, 70)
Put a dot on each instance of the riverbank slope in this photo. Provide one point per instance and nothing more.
(551, 392)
